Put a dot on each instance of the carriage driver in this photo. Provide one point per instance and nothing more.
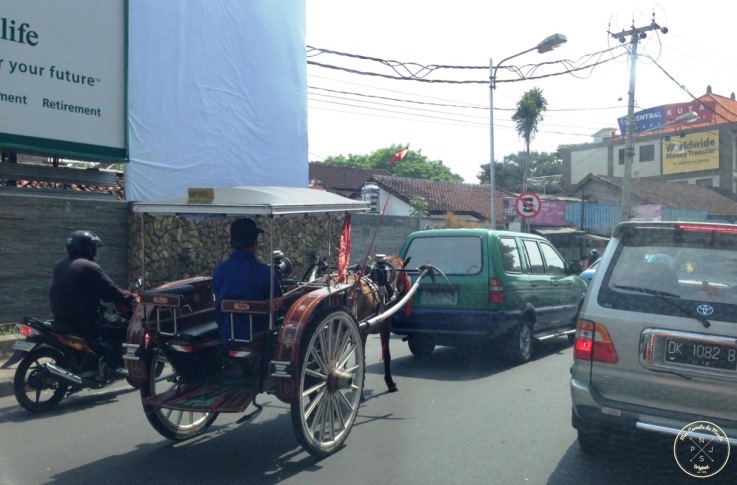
(242, 277)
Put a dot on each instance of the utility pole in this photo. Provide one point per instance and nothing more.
(635, 34)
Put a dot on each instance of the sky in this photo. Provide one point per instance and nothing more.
(353, 113)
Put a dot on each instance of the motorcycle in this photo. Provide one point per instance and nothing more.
(55, 363)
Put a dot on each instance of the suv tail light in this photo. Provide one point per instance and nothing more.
(496, 291)
(593, 343)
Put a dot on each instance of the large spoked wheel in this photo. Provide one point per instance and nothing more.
(36, 389)
(172, 424)
(331, 372)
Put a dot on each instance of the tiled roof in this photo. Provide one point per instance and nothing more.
(345, 181)
(50, 188)
(441, 197)
(675, 195)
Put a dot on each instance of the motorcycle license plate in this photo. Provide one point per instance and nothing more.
(23, 346)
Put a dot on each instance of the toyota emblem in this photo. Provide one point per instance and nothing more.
(705, 310)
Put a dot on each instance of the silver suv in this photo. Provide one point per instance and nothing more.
(656, 342)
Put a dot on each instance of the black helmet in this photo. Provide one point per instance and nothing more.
(593, 253)
(83, 244)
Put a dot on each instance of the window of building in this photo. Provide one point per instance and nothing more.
(621, 156)
(647, 153)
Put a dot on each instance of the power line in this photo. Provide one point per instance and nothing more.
(411, 71)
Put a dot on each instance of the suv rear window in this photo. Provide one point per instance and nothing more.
(455, 255)
(658, 270)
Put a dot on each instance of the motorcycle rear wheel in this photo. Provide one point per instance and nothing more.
(36, 389)
(171, 424)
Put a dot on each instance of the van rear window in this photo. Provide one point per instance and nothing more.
(454, 255)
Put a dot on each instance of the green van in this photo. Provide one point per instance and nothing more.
(500, 285)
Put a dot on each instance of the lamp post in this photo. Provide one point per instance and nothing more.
(546, 45)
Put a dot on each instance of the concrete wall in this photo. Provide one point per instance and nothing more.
(33, 232)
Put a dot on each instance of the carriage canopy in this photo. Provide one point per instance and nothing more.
(253, 201)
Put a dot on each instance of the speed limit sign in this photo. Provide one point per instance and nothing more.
(528, 204)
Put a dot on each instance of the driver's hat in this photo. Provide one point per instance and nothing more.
(243, 233)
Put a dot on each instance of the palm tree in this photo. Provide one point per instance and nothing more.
(530, 109)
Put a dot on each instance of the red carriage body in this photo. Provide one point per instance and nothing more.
(311, 357)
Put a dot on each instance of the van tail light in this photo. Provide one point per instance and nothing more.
(593, 343)
(496, 291)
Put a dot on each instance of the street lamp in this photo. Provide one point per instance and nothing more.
(546, 45)
(684, 119)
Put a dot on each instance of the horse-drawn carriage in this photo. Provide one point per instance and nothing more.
(311, 356)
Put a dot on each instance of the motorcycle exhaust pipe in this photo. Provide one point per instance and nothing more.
(63, 374)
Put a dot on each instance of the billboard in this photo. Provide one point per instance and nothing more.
(62, 78)
(665, 116)
(691, 153)
(552, 213)
(217, 95)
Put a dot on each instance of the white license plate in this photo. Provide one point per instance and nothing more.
(23, 345)
(438, 297)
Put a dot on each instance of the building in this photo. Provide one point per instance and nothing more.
(345, 181)
(693, 142)
(468, 202)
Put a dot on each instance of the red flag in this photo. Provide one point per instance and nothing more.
(344, 256)
(399, 156)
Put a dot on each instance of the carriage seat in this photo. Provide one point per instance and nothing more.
(199, 332)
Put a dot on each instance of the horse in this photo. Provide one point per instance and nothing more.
(383, 285)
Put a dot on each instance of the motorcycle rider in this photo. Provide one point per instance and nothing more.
(78, 286)
(591, 259)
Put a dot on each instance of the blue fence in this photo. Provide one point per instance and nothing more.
(599, 216)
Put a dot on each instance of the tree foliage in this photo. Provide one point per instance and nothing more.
(509, 172)
(414, 165)
(529, 114)
(419, 206)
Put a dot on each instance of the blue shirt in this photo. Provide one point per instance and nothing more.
(241, 277)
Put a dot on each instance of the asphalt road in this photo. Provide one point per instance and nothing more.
(458, 417)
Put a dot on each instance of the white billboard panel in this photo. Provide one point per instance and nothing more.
(217, 95)
(62, 77)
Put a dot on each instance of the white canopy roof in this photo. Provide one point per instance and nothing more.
(255, 201)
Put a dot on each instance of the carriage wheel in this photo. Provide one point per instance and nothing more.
(172, 424)
(331, 372)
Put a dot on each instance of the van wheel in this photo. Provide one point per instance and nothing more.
(421, 346)
(521, 343)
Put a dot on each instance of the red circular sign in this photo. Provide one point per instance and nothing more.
(528, 204)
